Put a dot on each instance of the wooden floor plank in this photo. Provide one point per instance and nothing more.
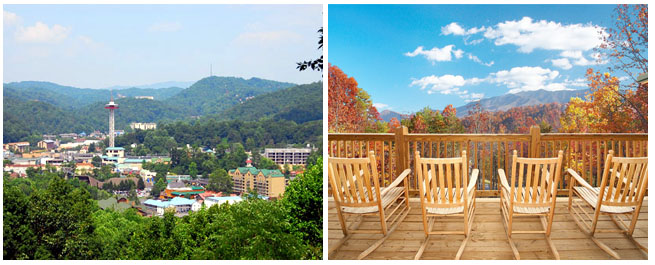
(488, 240)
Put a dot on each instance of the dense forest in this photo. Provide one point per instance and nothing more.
(299, 103)
(47, 217)
(56, 109)
(210, 133)
(214, 94)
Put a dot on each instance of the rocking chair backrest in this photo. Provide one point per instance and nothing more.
(354, 181)
(442, 181)
(534, 180)
(624, 180)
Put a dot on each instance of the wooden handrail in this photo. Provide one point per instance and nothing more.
(583, 152)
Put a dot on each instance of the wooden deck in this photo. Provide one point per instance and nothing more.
(488, 239)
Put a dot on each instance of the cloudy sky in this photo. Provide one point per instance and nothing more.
(98, 46)
(411, 56)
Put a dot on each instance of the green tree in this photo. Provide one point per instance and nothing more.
(193, 170)
(303, 199)
(96, 161)
(140, 185)
(265, 163)
(220, 181)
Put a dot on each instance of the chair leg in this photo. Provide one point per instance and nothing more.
(425, 240)
(384, 238)
(461, 247)
(338, 245)
(546, 226)
(509, 235)
(605, 248)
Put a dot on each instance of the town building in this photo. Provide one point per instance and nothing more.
(179, 189)
(68, 135)
(20, 147)
(290, 156)
(143, 125)
(115, 152)
(181, 206)
(266, 182)
(47, 144)
(145, 97)
(209, 201)
(83, 168)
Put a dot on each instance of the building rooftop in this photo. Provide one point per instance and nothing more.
(115, 148)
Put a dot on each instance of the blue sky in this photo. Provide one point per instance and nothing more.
(411, 56)
(99, 46)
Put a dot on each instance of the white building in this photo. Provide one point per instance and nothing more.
(209, 201)
(143, 126)
(291, 156)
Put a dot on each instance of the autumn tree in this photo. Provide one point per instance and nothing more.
(393, 124)
(625, 46)
(350, 108)
(603, 110)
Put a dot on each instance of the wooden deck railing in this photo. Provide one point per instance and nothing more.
(584, 153)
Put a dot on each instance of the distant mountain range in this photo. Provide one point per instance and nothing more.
(507, 101)
(33, 108)
(182, 84)
(527, 98)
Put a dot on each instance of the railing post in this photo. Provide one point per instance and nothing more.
(402, 161)
(535, 137)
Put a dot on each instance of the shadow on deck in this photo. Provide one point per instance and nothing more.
(488, 239)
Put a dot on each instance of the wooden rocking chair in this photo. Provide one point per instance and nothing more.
(531, 192)
(356, 190)
(621, 192)
(445, 190)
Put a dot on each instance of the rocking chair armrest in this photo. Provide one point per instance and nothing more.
(397, 181)
(577, 178)
(503, 179)
(473, 180)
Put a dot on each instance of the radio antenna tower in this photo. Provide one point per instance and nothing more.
(210, 70)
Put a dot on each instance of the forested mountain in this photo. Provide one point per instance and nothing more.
(387, 115)
(21, 119)
(131, 110)
(73, 97)
(214, 94)
(34, 108)
(299, 103)
(527, 98)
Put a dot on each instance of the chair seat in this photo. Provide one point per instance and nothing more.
(527, 209)
(387, 199)
(591, 197)
(447, 210)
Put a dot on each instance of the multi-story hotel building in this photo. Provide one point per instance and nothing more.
(266, 182)
(290, 156)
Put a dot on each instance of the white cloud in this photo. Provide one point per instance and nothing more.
(527, 78)
(41, 32)
(456, 29)
(445, 84)
(473, 42)
(453, 28)
(477, 60)
(165, 27)
(444, 54)
(85, 40)
(10, 19)
(547, 35)
(562, 63)
(381, 106)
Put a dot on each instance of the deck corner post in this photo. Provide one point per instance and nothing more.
(402, 161)
(535, 137)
